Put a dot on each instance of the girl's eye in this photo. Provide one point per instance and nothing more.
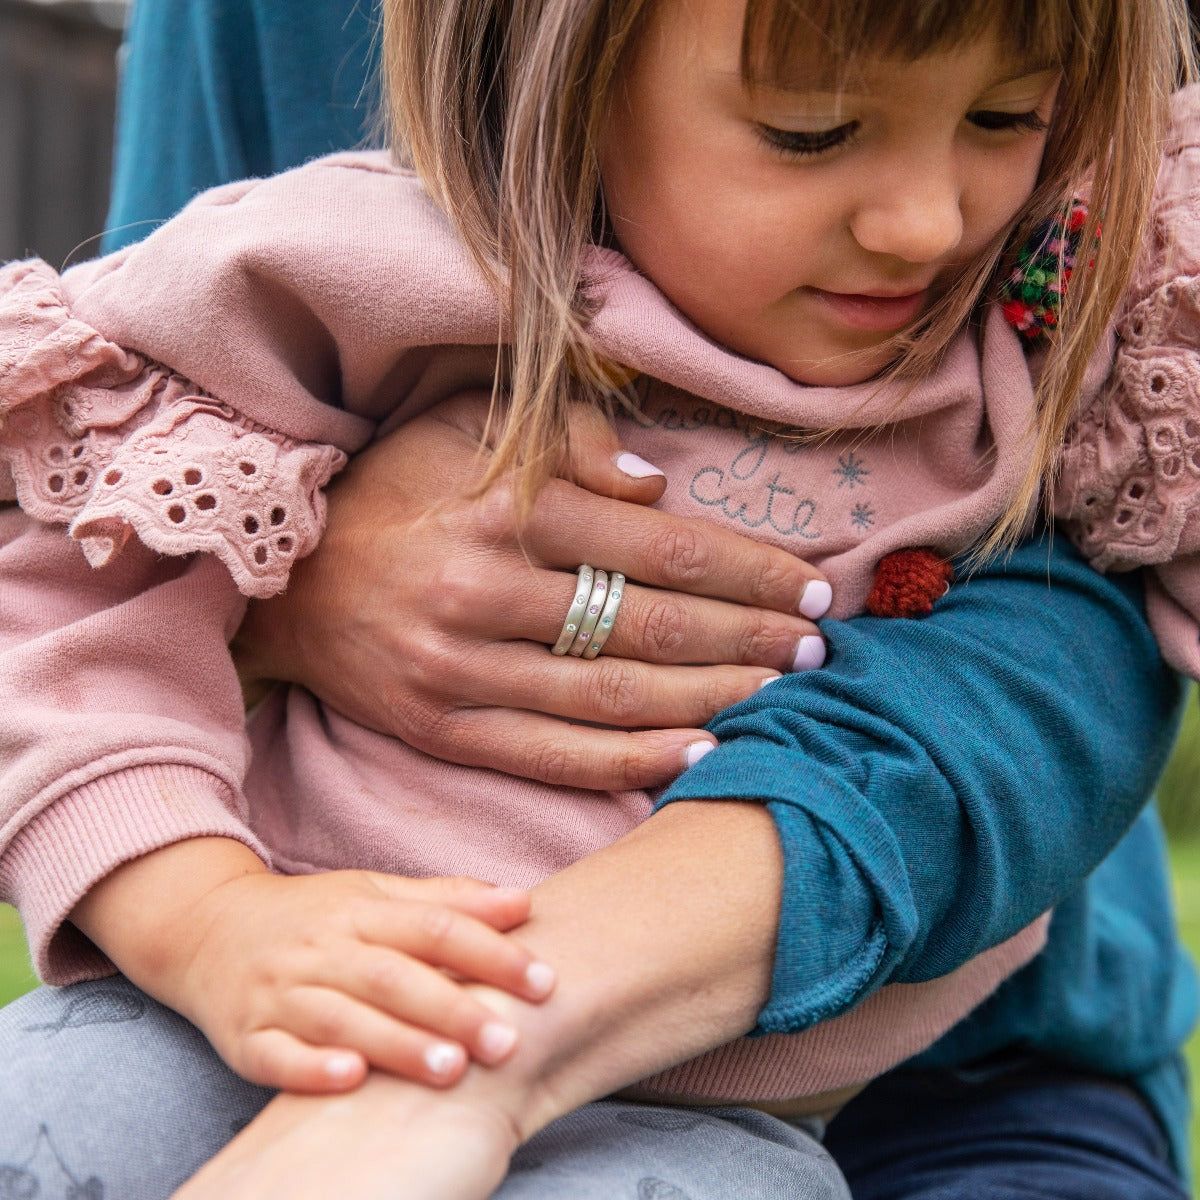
(1022, 122)
(798, 143)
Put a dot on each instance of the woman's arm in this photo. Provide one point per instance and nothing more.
(255, 87)
(663, 940)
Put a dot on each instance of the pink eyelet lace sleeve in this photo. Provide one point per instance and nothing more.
(112, 444)
(1129, 484)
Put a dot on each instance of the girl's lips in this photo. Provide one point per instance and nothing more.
(881, 314)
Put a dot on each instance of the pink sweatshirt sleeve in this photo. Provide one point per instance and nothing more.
(123, 726)
(1129, 488)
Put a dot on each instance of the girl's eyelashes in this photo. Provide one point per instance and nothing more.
(1019, 122)
(801, 142)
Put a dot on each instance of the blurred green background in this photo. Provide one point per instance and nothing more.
(1179, 799)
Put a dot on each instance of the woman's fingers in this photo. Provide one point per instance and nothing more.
(570, 525)
(652, 625)
(552, 751)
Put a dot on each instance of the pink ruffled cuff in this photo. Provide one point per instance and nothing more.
(97, 437)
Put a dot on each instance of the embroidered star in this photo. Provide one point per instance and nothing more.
(863, 516)
(851, 470)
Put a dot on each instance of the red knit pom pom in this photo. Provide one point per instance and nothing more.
(907, 582)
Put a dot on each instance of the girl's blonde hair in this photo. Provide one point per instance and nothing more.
(500, 105)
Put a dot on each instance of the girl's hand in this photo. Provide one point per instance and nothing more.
(301, 983)
(428, 615)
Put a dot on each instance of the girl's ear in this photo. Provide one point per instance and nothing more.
(601, 464)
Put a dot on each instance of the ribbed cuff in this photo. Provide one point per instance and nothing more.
(89, 832)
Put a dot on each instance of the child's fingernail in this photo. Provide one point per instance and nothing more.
(509, 893)
(496, 1040)
(341, 1066)
(695, 752)
(815, 599)
(635, 467)
(810, 653)
(442, 1058)
(539, 978)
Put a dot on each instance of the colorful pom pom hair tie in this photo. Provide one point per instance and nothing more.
(1031, 292)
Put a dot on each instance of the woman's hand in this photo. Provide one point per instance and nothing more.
(427, 614)
(389, 1140)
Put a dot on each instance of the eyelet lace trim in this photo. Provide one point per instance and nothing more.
(1130, 476)
(113, 444)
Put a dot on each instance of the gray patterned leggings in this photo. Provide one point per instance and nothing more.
(106, 1095)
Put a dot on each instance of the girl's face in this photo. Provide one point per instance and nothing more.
(804, 227)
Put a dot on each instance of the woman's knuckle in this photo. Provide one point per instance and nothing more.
(551, 763)
(684, 552)
(757, 640)
(614, 691)
(494, 515)
(662, 628)
(773, 577)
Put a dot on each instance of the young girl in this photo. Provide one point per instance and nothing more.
(697, 123)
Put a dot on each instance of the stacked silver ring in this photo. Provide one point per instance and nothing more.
(592, 614)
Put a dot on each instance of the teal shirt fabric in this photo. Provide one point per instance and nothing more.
(217, 90)
(940, 782)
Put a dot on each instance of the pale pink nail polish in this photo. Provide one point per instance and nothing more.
(635, 467)
(815, 599)
(810, 653)
(695, 752)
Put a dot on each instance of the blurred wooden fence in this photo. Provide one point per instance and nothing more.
(58, 68)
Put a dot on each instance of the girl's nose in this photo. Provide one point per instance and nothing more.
(914, 215)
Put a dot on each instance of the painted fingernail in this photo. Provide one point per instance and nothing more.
(810, 653)
(496, 1040)
(769, 679)
(442, 1058)
(815, 599)
(635, 467)
(539, 978)
(341, 1066)
(695, 752)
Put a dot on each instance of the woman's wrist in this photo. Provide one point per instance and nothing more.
(654, 966)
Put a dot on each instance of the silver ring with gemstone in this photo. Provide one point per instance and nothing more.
(608, 615)
(575, 614)
(591, 616)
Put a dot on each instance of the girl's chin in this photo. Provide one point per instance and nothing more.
(841, 370)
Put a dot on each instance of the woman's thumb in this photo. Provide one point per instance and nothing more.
(601, 464)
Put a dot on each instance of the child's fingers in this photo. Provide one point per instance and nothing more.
(500, 907)
(324, 1016)
(408, 992)
(443, 937)
(278, 1059)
